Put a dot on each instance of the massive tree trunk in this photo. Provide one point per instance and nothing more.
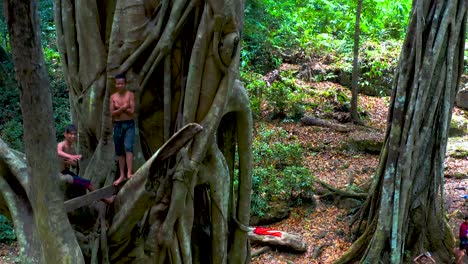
(181, 59)
(34, 198)
(185, 203)
(404, 212)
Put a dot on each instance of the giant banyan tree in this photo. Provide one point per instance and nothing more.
(189, 198)
(404, 214)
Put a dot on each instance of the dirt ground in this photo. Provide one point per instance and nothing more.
(9, 253)
(326, 229)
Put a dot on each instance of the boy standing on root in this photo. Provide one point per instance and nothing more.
(122, 107)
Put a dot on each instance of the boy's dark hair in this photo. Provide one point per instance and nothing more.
(70, 128)
(121, 76)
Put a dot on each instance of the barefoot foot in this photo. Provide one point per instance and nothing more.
(118, 181)
(109, 200)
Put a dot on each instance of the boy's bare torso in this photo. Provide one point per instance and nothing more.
(69, 149)
(118, 100)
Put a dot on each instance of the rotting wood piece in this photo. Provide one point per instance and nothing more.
(90, 197)
(260, 251)
(313, 121)
(287, 241)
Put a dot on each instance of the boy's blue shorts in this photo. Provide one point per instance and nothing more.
(124, 136)
(77, 180)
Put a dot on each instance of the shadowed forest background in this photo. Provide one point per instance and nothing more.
(312, 165)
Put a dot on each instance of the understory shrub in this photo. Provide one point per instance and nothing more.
(7, 233)
(11, 125)
(11, 128)
(282, 99)
(377, 61)
(255, 86)
(279, 173)
(285, 100)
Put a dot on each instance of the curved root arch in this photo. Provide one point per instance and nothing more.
(181, 59)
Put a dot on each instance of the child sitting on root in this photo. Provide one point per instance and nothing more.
(68, 158)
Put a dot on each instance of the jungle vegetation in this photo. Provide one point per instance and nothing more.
(173, 78)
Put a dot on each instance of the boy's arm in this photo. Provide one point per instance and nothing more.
(70, 162)
(131, 103)
(62, 154)
(68, 158)
(113, 109)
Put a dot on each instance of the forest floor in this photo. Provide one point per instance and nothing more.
(9, 253)
(325, 230)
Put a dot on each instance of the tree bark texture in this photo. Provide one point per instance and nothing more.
(356, 69)
(404, 212)
(33, 196)
(181, 59)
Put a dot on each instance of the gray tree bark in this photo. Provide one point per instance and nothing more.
(34, 196)
(356, 69)
(404, 211)
(181, 59)
(184, 204)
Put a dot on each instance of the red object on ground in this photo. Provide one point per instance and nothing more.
(266, 231)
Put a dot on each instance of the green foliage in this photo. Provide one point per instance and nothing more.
(278, 171)
(334, 94)
(315, 26)
(46, 17)
(459, 153)
(255, 87)
(284, 99)
(380, 60)
(58, 85)
(51, 57)
(11, 129)
(12, 133)
(384, 19)
(4, 38)
(61, 105)
(258, 51)
(59, 90)
(7, 233)
(326, 44)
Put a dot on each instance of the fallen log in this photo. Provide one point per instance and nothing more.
(313, 121)
(281, 240)
(318, 250)
(260, 251)
(90, 197)
(341, 193)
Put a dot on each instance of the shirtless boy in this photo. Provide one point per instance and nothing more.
(122, 107)
(68, 158)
